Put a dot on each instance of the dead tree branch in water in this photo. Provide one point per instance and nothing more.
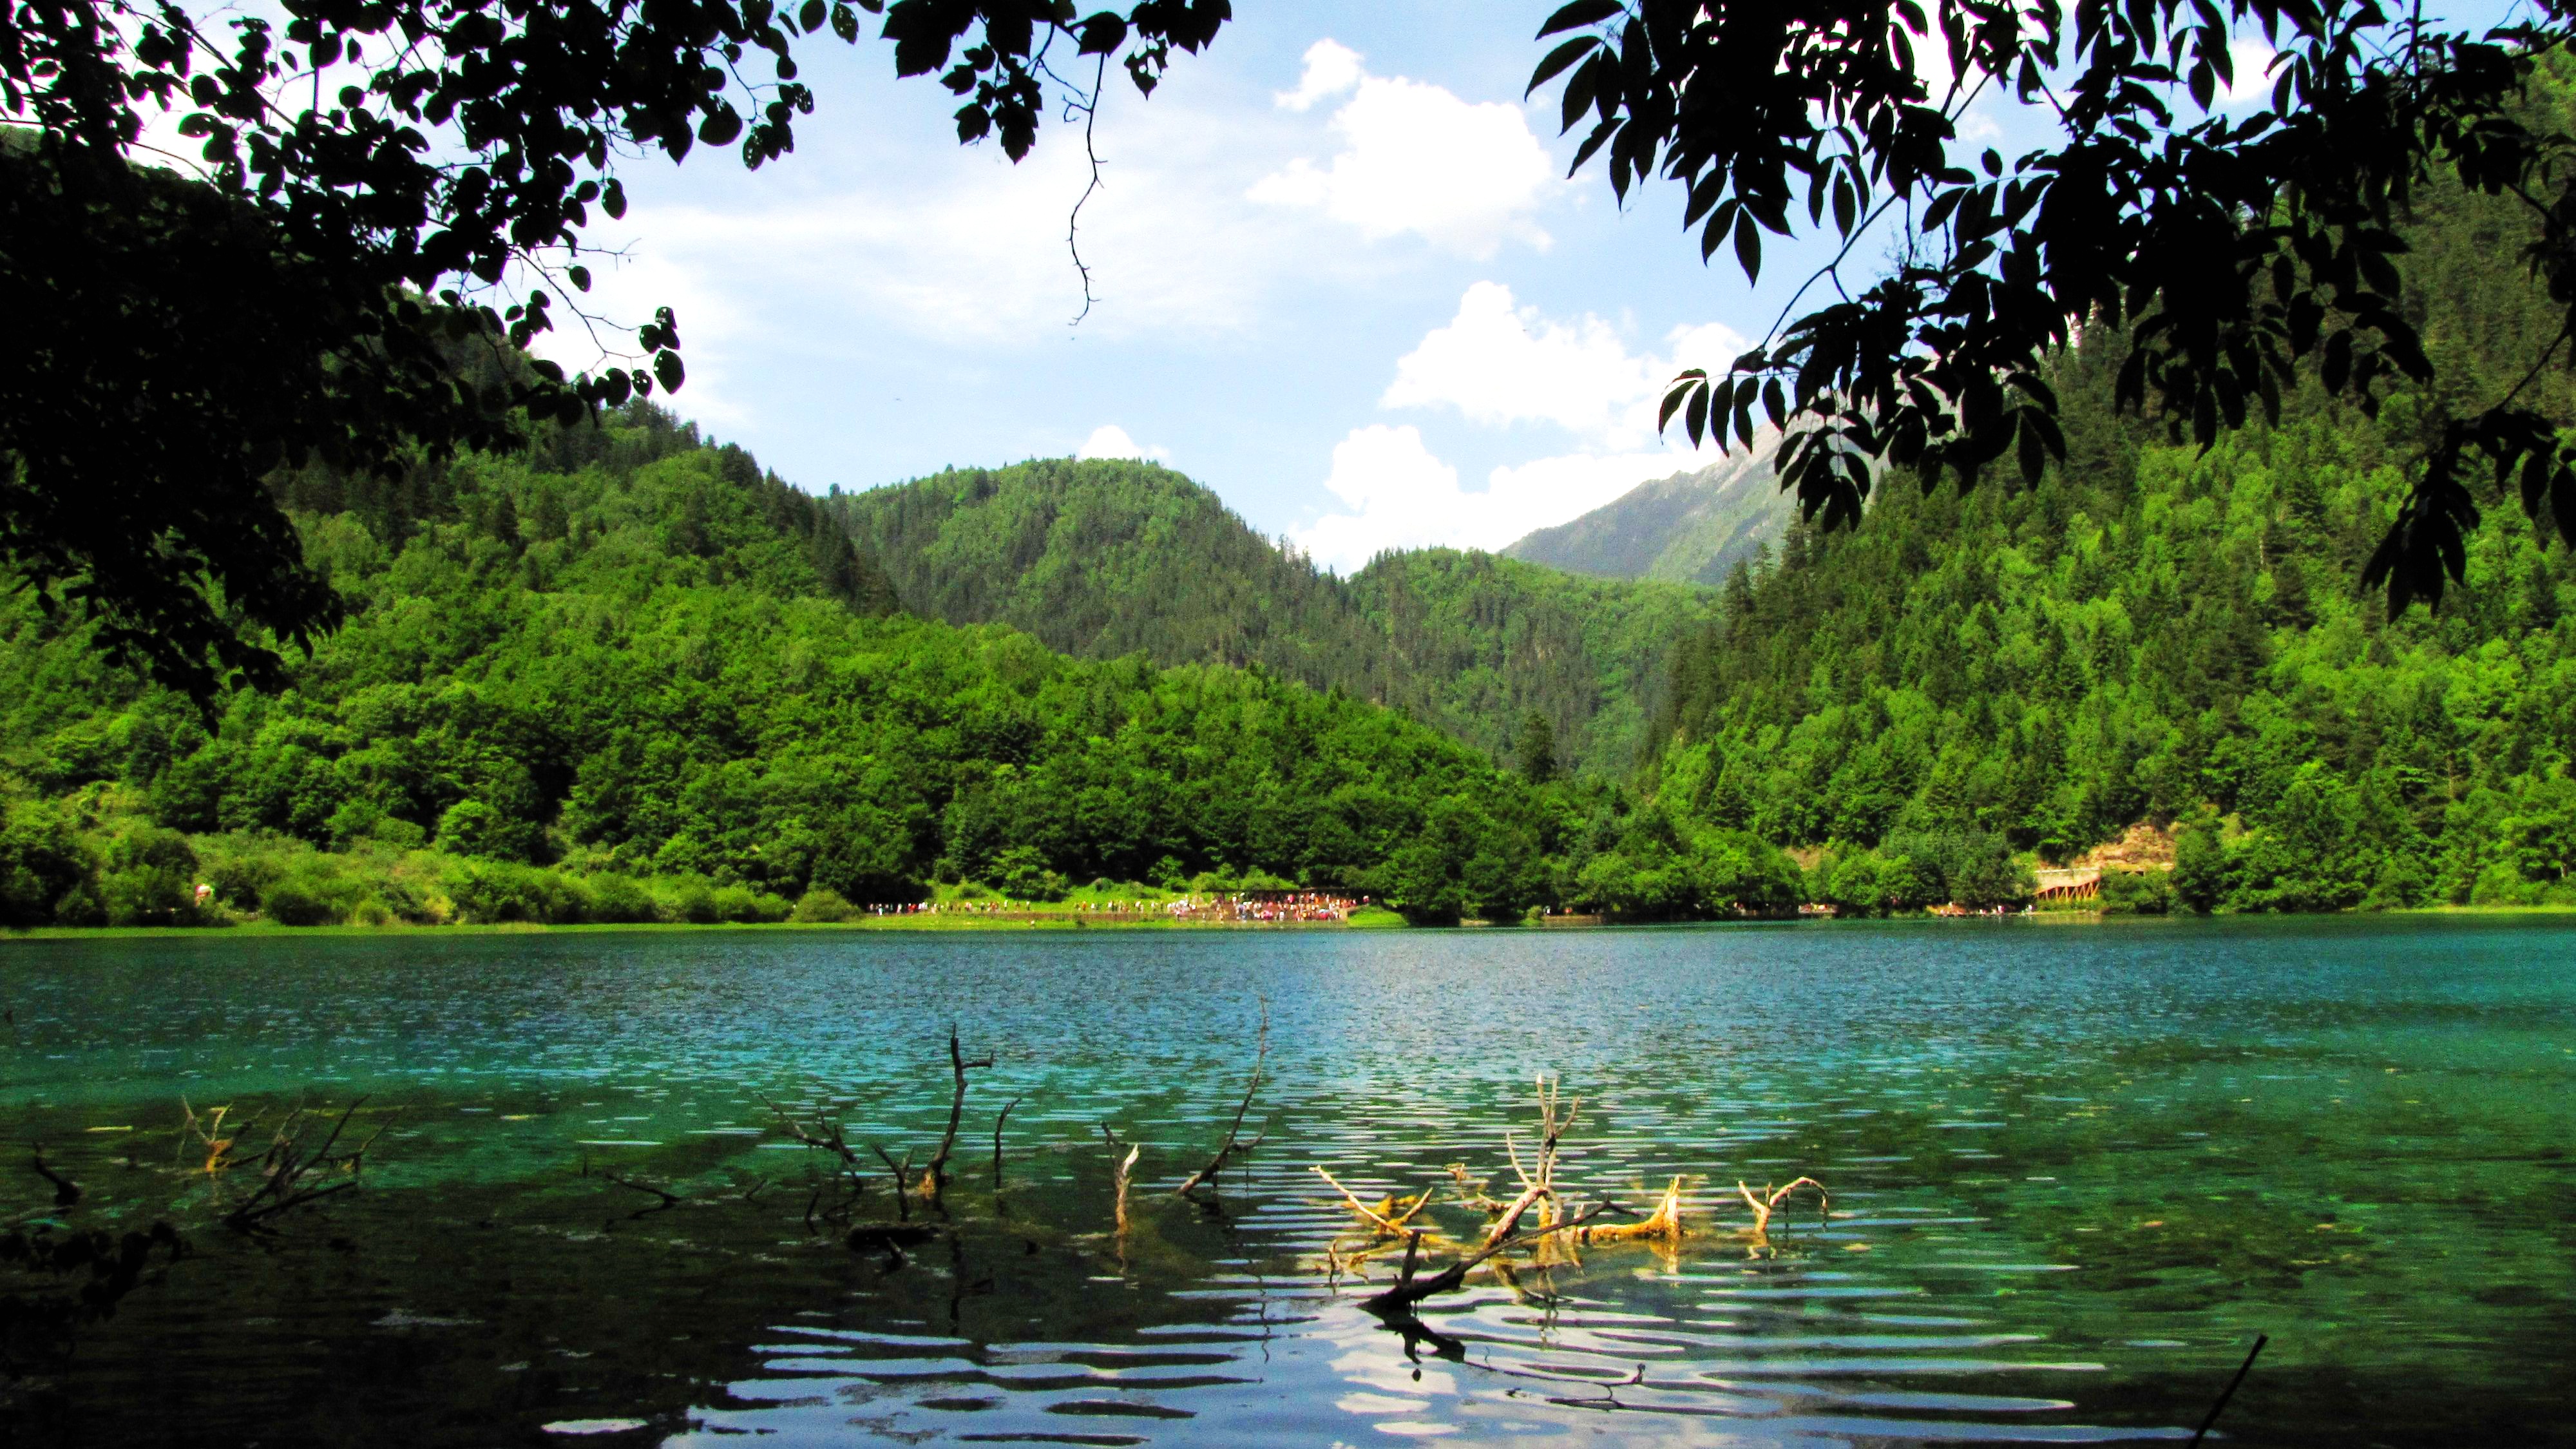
(1121, 1175)
(902, 1188)
(2229, 1392)
(1234, 1133)
(669, 1199)
(1768, 1201)
(997, 1142)
(849, 1177)
(288, 1169)
(66, 1191)
(934, 1176)
(1536, 1218)
(1665, 1222)
(1391, 1213)
(1471, 1191)
(1410, 1289)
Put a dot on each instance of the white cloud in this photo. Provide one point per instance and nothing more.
(1416, 159)
(1397, 494)
(872, 241)
(1498, 364)
(1111, 441)
(1331, 68)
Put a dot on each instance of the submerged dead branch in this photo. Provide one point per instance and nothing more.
(669, 1199)
(291, 1172)
(1665, 1223)
(1536, 1219)
(997, 1141)
(1391, 1213)
(1410, 1289)
(848, 1180)
(66, 1191)
(1768, 1201)
(934, 1175)
(902, 1187)
(1234, 1133)
(1471, 1190)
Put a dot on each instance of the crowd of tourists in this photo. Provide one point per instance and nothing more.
(1221, 907)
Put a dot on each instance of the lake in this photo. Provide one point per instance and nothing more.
(2073, 1170)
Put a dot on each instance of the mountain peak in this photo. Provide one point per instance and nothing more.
(1690, 527)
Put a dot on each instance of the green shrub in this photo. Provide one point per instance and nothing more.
(2136, 893)
(242, 878)
(741, 905)
(44, 871)
(821, 906)
(2202, 871)
(310, 897)
(692, 899)
(620, 900)
(2501, 884)
(1021, 874)
(491, 891)
(151, 879)
(472, 827)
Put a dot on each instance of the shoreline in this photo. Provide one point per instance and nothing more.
(1068, 922)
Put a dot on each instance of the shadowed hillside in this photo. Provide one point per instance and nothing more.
(1107, 558)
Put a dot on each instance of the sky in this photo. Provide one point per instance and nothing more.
(1340, 274)
(1341, 279)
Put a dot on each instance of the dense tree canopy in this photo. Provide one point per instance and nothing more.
(1105, 558)
(626, 675)
(378, 179)
(381, 177)
(2166, 635)
(2229, 244)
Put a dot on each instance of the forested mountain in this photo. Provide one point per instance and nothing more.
(2162, 634)
(1691, 528)
(630, 676)
(1103, 559)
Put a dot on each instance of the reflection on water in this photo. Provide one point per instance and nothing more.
(2073, 1171)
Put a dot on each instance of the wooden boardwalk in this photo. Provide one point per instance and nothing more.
(2083, 883)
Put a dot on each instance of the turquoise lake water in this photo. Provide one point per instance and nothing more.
(2074, 1169)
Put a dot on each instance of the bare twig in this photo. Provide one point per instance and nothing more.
(66, 1191)
(1385, 1216)
(2229, 1392)
(1410, 1290)
(286, 1168)
(902, 1188)
(1472, 1192)
(1234, 1133)
(934, 1176)
(669, 1199)
(1763, 1206)
(1073, 223)
(825, 1135)
(997, 1141)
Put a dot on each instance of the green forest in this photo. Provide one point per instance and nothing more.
(2169, 635)
(628, 675)
(1106, 558)
(631, 677)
